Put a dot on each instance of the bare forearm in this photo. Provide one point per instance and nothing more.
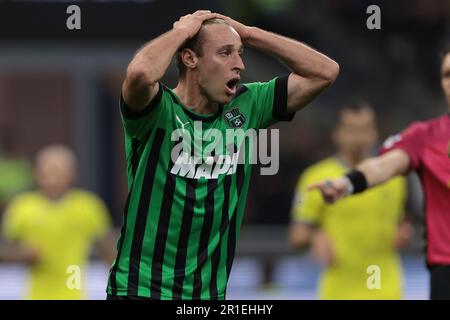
(152, 61)
(299, 236)
(14, 253)
(380, 169)
(300, 58)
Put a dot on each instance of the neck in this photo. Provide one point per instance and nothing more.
(53, 195)
(352, 160)
(191, 95)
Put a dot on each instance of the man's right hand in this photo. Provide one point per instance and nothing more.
(191, 23)
(14, 252)
(332, 190)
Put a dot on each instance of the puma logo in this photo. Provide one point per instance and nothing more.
(181, 122)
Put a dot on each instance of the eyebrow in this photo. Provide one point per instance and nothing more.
(231, 47)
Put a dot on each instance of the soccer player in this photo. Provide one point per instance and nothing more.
(362, 231)
(424, 147)
(181, 220)
(53, 229)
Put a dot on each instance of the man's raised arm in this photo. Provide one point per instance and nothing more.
(312, 72)
(369, 173)
(151, 62)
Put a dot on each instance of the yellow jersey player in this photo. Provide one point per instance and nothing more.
(356, 239)
(52, 229)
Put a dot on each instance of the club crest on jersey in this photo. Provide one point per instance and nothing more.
(235, 118)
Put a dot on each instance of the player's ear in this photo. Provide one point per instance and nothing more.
(189, 58)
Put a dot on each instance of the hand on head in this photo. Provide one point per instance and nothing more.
(192, 23)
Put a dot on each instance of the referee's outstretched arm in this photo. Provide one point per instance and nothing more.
(369, 173)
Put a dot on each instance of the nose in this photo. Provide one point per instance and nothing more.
(238, 63)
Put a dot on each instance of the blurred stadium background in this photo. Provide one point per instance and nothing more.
(63, 86)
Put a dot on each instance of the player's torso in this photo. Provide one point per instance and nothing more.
(196, 149)
(363, 226)
(362, 229)
(55, 229)
(435, 176)
(191, 181)
(436, 152)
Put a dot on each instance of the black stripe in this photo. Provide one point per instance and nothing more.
(183, 240)
(135, 143)
(161, 234)
(231, 246)
(142, 213)
(279, 110)
(112, 276)
(202, 254)
(215, 259)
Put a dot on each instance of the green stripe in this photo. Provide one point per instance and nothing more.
(172, 238)
(152, 224)
(122, 277)
(213, 239)
(194, 238)
(222, 270)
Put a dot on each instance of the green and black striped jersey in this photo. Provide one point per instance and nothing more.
(182, 217)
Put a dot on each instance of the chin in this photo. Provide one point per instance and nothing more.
(222, 100)
(226, 99)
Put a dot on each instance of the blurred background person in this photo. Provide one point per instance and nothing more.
(53, 228)
(356, 233)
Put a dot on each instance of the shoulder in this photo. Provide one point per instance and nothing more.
(414, 132)
(24, 204)
(258, 86)
(418, 127)
(83, 196)
(162, 97)
(26, 198)
(426, 126)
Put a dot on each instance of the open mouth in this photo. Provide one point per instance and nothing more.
(231, 85)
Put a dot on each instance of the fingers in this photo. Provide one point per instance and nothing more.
(312, 187)
(204, 14)
(329, 190)
(208, 16)
(219, 15)
(200, 12)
